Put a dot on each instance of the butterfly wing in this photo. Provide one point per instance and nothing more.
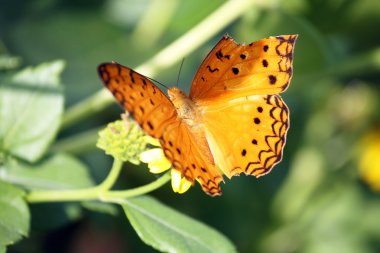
(157, 116)
(146, 103)
(236, 90)
(234, 70)
(186, 150)
(247, 135)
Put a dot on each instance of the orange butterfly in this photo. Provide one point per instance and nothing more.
(233, 121)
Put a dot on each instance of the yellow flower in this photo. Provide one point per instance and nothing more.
(157, 163)
(369, 162)
(155, 158)
(179, 183)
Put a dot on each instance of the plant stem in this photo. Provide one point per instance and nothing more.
(174, 52)
(87, 107)
(95, 193)
(153, 17)
(79, 194)
(112, 176)
(139, 190)
(62, 196)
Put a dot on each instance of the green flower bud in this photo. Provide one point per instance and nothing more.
(124, 140)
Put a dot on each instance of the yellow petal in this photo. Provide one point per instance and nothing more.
(151, 155)
(156, 160)
(159, 166)
(179, 184)
(152, 141)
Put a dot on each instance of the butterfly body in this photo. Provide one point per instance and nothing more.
(190, 115)
(233, 120)
(185, 107)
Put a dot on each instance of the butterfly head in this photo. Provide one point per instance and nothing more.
(175, 93)
(178, 97)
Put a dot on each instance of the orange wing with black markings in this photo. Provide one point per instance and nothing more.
(156, 114)
(233, 70)
(233, 121)
(145, 102)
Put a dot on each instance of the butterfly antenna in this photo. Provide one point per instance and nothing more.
(179, 73)
(156, 82)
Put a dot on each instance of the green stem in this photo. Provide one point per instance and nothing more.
(214, 23)
(153, 17)
(62, 196)
(87, 107)
(112, 176)
(95, 193)
(139, 190)
(79, 194)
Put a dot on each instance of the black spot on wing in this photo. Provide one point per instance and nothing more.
(150, 125)
(235, 71)
(272, 79)
(219, 54)
(212, 70)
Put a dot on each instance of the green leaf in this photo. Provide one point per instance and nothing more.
(60, 171)
(14, 214)
(31, 105)
(169, 231)
(2, 249)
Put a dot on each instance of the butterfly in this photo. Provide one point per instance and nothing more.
(233, 120)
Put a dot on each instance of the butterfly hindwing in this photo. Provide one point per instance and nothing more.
(234, 70)
(253, 144)
(186, 150)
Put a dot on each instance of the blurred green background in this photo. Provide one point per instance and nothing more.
(323, 197)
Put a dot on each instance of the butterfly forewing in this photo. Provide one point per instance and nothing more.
(234, 70)
(146, 103)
